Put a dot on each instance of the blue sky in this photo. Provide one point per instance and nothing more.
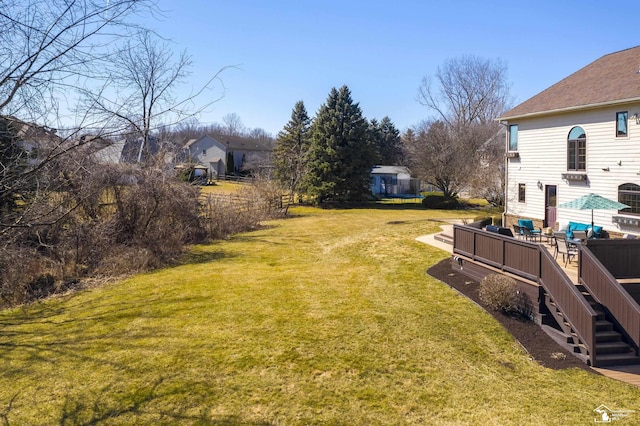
(284, 51)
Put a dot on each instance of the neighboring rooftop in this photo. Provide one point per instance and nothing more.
(612, 79)
(240, 143)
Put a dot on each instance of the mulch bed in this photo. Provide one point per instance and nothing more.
(537, 343)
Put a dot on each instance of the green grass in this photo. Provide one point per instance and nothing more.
(224, 187)
(325, 318)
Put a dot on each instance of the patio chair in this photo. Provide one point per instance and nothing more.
(517, 231)
(557, 236)
(525, 224)
(567, 248)
(531, 235)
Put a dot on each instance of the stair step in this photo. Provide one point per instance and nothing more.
(613, 348)
(608, 336)
(444, 238)
(606, 360)
(603, 325)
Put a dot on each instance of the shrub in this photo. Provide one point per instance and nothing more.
(440, 202)
(116, 220)
(501, 293)
(483, 221)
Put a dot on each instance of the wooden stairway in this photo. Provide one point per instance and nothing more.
(610, 346)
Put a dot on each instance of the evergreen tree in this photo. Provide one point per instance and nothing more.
(389, 143)
(231, 167)
(341, 154)
(292, 146)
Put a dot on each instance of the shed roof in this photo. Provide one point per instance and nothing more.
(390, 170)
(612, 79)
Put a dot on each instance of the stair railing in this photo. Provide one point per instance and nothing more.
(607, 291)
(569, 301)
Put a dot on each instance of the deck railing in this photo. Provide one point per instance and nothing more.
(568, 299)
(532, 262)
(618, 256)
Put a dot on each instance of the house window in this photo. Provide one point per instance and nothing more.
(622, 120)
(521, 192)
(577, 150)
(629, 194)
(513, 137)
(204, 152)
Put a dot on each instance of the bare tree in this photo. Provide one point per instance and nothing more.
(139, 93)
(234, 124)
(468, 89)
(487, 180)
(469, 93)
(436, 158)
(46, 47)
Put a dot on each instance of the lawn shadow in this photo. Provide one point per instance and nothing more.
(200, 257)
(110, 403)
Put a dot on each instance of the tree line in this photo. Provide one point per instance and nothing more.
(64, 215)
(330, 156)
(461, 148)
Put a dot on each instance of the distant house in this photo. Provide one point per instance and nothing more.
(134, 151)
(109, 153)
(224, 155)
(37, 141)
(390, 180)
(580, 135)
(128, 150)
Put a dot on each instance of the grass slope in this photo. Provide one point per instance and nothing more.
(326, 318)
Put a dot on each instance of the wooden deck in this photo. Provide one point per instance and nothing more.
(627, 374)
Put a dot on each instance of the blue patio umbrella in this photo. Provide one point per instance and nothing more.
(593, 202)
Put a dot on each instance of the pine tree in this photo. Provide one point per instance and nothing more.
(386, 139)
(231, 167)
(292, 146)
(341, 154)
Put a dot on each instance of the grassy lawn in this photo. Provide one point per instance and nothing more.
(224, 187)
(325, 318)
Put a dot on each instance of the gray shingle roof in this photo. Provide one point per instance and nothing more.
(612, 79)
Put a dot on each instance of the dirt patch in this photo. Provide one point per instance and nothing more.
(540, 346)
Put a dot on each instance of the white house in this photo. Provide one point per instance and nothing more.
(217, 153)
(580, 135)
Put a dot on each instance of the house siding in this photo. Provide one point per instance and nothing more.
(214, 157)
(542, 149)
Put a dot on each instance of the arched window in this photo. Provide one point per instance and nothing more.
(629, 194)
(577, 149)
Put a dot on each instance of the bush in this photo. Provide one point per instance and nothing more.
(483, 221)
(489, 219)
(440, 202)
(501, 293)
(114, 221)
